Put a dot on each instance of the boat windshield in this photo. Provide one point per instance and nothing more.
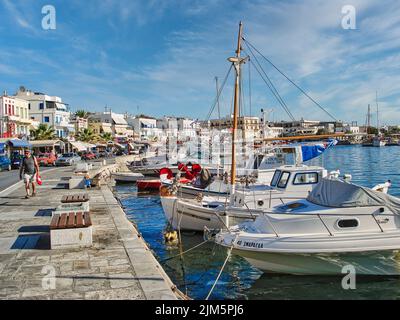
(283, 181)
(275, 178)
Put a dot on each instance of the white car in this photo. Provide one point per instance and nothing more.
(68, 159)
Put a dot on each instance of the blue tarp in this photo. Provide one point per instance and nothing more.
(2, 147)
(16, 143)
(313, 151)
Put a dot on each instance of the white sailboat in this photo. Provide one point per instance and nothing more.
(339, 224)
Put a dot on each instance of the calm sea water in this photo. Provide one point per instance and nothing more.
(197, 271)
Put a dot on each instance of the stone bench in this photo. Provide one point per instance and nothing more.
(72, 207)
(74, 198)
(71, 230)
(76, 183)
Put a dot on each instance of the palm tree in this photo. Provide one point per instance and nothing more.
(82, 114)
(43, 132)
(106, 136)
(87, 135)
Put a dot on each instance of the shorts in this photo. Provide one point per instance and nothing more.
(29, 178)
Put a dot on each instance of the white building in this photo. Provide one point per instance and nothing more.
(301, 127)
(145, 127)
(169, 126)
(49, 110)
(14, 117)
(186, 128)
(110, 122)
(351, 129)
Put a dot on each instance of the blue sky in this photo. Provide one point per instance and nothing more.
(161, 57)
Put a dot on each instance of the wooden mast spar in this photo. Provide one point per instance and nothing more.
(236, 61)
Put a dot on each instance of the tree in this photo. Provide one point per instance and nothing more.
(372, 130)
(106, 136)
(43, 132)
(82, 114)
(87, 135)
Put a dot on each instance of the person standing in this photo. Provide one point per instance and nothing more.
(28, 171)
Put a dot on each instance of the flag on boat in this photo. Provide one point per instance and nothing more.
(309, 152)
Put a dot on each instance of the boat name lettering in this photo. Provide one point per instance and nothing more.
(250, 244)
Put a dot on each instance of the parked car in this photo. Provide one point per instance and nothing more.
(46, 159)
(5, 163)
(16, 160)
(68, 159)
(88, 156)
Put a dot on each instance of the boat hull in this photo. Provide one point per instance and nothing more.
(364, 263)
(185, 216)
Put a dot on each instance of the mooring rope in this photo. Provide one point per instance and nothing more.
(186, 251)
(220, 272)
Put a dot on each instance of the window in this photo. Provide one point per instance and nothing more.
(348, 223)
(306, 178)
(29, 106)
(41, 106)
(283, 181)
(47, 119)
(275, 178)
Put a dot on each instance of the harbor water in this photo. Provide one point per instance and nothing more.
(196, 272)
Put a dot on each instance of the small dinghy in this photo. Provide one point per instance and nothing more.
(127, 177)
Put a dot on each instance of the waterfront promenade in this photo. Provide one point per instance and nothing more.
(118, 266)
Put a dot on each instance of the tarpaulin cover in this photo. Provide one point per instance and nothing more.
(339, 194)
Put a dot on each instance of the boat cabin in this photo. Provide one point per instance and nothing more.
(297, 178)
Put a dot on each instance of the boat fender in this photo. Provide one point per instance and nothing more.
(171, 236)
(164, 191)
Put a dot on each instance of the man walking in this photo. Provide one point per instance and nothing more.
(28, 171)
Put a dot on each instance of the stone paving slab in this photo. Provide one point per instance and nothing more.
(118, 266)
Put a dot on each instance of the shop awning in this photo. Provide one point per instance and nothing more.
(18, 143)
(79, 146)
(106, 129)
(46, 143)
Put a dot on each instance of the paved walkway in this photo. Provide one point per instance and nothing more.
(118, 266)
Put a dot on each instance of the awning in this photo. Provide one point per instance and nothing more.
(107, 129)
(79, 146)
(18, 143)
(46, 143)
(147, 123)
(119, 145)
(119, 119)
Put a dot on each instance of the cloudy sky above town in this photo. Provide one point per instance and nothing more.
(160, 57)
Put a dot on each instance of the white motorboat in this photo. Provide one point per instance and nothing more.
(339, 224)
(378, 141)
(127, 177)
(288, 183)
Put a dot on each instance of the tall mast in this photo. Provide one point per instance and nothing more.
(377, 112)
(368, 118)
(237, 61)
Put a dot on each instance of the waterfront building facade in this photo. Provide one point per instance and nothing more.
(14, 117)
(50, 110)
(145, 127)
(110, 122)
